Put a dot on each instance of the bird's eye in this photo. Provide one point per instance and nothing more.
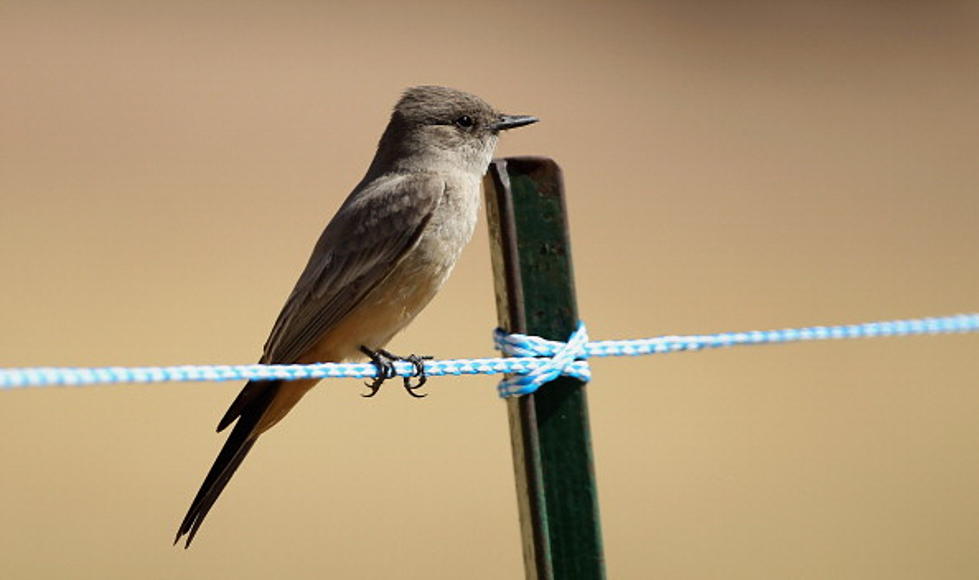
(464, 121)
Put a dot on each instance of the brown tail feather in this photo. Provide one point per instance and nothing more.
(239, 443)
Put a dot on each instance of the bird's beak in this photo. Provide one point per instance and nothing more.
(513, 121)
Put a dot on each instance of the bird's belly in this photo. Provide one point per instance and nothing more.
(385, 311)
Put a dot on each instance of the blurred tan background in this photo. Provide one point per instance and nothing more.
(166, 167)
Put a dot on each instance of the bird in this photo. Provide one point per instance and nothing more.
(382, 257)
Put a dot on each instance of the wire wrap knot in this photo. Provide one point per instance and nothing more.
(565, 358)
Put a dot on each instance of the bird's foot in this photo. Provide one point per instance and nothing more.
(419, 363)
(384, 361)
(385, 369)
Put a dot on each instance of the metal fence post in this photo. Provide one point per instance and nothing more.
(549, 429)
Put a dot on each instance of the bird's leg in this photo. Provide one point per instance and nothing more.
(384, 362)
(417, 362)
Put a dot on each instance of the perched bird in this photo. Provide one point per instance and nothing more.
(380, 260)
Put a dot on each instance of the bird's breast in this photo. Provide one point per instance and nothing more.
(453, 221)
(426, 267)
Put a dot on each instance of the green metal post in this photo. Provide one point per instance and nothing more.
(549, 429)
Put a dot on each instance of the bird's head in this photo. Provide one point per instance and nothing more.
(434, 125)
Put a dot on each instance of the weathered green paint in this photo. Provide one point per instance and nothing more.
(549, 429)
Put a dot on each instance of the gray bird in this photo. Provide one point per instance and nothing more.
(380, 260)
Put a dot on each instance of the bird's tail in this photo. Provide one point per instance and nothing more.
(239, 443)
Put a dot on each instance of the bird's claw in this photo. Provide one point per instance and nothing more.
(419, 364)
(385, 369)
(384, 361)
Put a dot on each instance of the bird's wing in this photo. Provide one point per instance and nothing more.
(359, 248)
